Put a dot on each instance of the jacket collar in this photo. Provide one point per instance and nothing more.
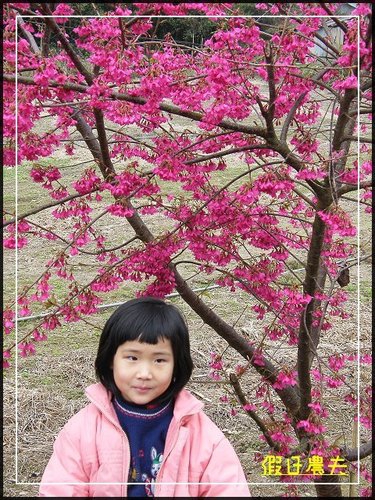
(102, 399)
(185, 404)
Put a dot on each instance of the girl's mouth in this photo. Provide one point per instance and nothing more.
(142, 389)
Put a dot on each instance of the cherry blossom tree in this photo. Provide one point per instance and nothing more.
(278, 105)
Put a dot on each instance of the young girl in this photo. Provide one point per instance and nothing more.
(143, 434)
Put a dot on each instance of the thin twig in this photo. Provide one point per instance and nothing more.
(242, 399)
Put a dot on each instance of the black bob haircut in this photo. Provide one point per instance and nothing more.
(146, 319)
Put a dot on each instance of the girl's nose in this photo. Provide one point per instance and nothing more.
(144, 371)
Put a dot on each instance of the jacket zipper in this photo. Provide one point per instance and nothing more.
(124, 487)
(175, 437)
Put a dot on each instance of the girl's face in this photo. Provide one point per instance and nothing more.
(142, 372)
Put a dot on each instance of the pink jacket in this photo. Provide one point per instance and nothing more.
(91, 455)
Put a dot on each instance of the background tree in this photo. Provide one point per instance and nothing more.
(257, 92)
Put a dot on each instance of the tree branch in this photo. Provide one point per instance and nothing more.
(334, 18)
(307, 344)
(351, 454)
(354, 187)
(271, 89)
(123, 42)
(289, 395)
(28, 36)
(367, 140)
(169, 108)
(48, 205)
(293, 109)
(242, 399)
(50, 21)
(225, 153)
(321, 38)
(107, 167)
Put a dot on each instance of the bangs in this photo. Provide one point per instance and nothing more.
(146, 328)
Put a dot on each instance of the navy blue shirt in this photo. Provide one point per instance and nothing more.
(146, 427)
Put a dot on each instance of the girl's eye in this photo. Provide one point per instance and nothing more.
(160, 360)
(131, 358)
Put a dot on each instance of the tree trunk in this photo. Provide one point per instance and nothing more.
(328, 490)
